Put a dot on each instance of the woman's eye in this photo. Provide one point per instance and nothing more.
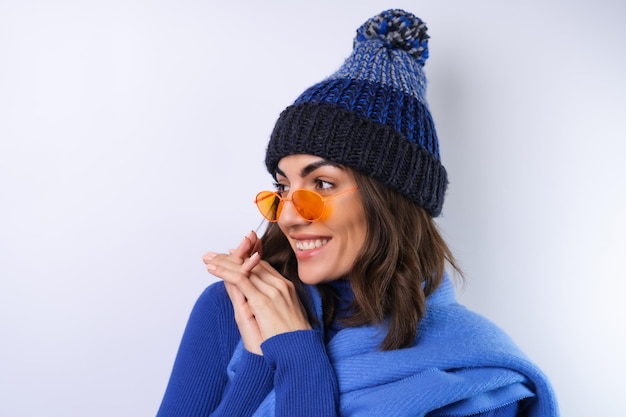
(280, 188)
(323, 185)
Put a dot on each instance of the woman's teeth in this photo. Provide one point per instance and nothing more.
(310, 244)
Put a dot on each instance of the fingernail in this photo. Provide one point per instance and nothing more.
(211, 267)
(251, 260)
(209, 256)
(253, 257)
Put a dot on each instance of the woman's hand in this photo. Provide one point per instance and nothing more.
(265, 303)
(246, 322)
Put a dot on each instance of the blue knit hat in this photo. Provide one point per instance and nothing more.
(372, 114)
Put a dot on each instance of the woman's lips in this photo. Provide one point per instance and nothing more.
(309, 244)
(305, 247)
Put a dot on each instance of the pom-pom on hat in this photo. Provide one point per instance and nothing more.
(372, 114)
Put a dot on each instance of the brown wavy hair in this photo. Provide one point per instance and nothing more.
(401, 263)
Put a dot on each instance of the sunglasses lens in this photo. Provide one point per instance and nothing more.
(308, 204)
(269, 205)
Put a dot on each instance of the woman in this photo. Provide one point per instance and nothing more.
(343, 307)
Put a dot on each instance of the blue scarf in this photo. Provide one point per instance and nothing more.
(461, 364)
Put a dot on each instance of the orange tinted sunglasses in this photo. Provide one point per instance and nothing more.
(309, 204)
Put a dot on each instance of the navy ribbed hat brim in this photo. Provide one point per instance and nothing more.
(341, 136)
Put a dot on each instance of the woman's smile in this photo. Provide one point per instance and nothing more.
(307, 245)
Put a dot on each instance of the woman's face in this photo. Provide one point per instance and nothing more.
(326, 248)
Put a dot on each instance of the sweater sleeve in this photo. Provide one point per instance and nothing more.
(304, 380)
(251, 384)
(199, 381)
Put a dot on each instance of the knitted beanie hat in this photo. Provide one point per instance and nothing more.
(372, 114)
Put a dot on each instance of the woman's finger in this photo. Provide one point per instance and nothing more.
(246, 246)
(246, 322)
(258, 283)
(251, 262)
(257, 246)
(227, 269)
(208, 257)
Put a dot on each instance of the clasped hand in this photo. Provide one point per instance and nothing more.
(265, 303)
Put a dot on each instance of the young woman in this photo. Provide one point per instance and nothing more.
(343, 307)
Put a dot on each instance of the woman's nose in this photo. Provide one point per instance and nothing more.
(289, 216)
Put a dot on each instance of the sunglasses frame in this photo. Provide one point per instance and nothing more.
(281, 200)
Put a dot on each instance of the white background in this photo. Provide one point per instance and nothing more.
(132, 137)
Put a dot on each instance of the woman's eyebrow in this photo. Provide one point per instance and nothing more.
(312, 167)
(317, 164)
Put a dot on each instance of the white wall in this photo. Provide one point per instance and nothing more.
(131, 141)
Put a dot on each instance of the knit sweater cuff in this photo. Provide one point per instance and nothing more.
(293, 348)
(303, 374)
(252, 382)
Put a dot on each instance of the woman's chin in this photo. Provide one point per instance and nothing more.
(310, 277)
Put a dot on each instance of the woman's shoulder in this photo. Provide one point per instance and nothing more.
(214, 301)
(212, 320)
(215, 291)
